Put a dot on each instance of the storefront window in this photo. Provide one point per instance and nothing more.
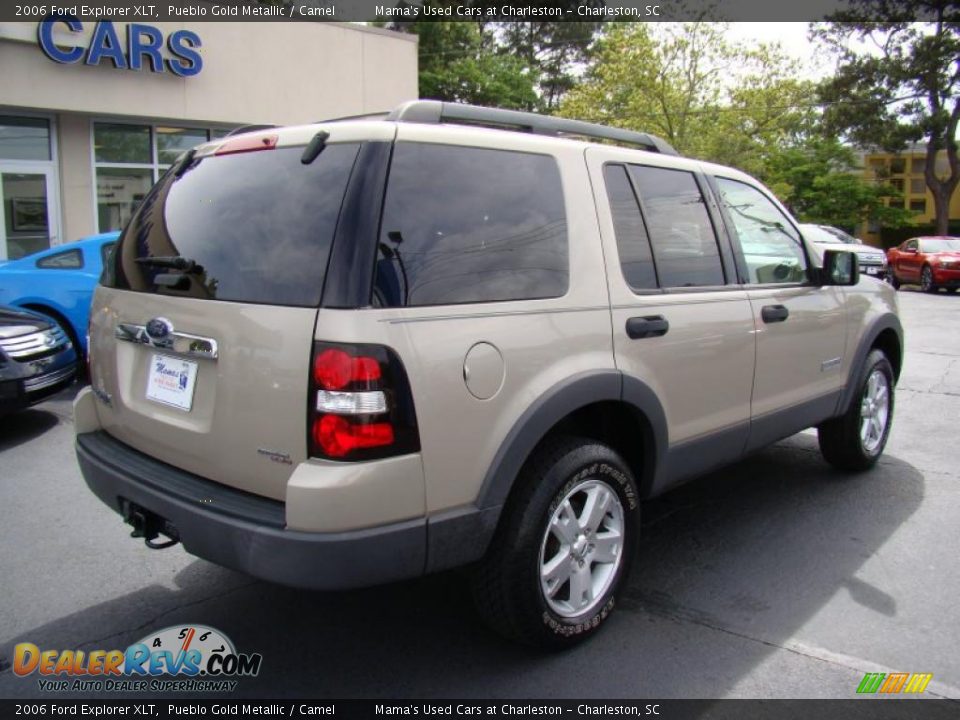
(24, 138)
(172, 141)
(122, 143)
(130, 158)
(119, 191)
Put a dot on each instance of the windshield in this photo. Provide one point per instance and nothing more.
(840, 235)
(934, 245)
(250, 227)
(818, 234)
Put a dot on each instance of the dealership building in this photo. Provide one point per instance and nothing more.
(91, 113)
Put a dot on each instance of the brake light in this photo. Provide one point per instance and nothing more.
(248, 143)
(338, 436)
(361, 407)
(334, 369)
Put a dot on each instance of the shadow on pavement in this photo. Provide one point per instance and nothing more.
(24, 425)
(753, 551)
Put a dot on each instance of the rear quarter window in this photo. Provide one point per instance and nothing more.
(66, 260)
(468, 225)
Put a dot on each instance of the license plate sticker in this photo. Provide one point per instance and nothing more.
(171, 381)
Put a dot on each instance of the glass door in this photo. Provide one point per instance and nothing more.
(28, 210)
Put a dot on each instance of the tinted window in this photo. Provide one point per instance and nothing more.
(259, 225)
(106, 250)
(771, 246)
(69, 259)
(467, 225)
(684, 243)
(633, 245)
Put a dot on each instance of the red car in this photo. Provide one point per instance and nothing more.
(930, 262)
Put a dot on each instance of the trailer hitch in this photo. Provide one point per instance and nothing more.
(149, 526)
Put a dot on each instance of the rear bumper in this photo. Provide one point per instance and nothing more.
(35, 382)
(247, 532)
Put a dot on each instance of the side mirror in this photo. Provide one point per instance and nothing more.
(840, 267)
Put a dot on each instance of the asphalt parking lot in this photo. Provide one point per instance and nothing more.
(777, 578)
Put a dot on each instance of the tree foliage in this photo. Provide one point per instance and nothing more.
(462, 62)
(900, 83)
(686, 83)
(818, 180)
(743, 107)
(551, 53)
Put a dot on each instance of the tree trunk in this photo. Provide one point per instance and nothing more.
(941, 206)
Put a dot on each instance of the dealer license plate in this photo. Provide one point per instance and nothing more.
(171, 381)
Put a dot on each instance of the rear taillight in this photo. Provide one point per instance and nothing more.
(360, 404)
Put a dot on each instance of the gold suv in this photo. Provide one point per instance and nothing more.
(347, 353)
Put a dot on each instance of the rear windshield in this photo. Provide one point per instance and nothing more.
(257, 227)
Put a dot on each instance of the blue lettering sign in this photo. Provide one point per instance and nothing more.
(50, 48)
(188, 61)
(142, 48)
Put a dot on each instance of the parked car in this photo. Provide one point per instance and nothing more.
(37, 359)
(930, 262)
(873, 261)
(344, 354)
(59, 283)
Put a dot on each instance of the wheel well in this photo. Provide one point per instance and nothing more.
(620, 426)
(889, 343)
(63, 322)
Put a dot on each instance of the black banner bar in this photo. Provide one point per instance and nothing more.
(865, 709)
(410, 10)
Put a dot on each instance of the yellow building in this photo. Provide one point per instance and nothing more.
(904, 171)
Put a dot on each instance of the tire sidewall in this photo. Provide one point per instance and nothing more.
(597, 462)
(927, 273)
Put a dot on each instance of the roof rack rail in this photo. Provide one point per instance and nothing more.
(249, 128)
(433, 112)
(381, 115)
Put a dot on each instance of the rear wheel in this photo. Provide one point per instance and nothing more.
(855, 440)
(926, 280)
(564, 546)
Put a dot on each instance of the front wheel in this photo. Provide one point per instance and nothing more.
(892, 279)
(926, 280)
(856, 439)
(563, 550)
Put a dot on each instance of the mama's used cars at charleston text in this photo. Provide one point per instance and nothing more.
(353, 352)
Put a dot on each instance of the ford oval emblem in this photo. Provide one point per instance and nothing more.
(159, 328)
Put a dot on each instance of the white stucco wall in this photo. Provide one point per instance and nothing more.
(269, 72)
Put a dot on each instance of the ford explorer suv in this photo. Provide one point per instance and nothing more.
(348, 353)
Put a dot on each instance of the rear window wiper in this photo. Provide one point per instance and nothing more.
(174, 262)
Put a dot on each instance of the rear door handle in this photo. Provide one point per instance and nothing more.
(647, 327)
(774, 313)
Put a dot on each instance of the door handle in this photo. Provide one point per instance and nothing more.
(647, 327)
(774, 313)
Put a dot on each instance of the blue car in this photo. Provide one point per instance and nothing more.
(59, 283)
